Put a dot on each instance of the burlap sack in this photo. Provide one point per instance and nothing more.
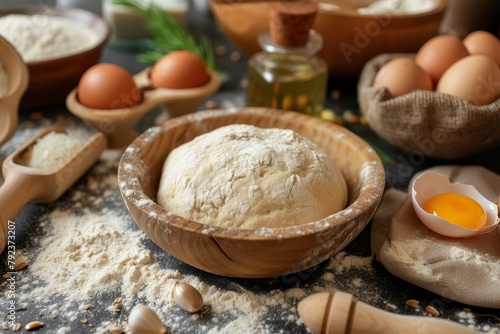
(428, 123)
(466, 270)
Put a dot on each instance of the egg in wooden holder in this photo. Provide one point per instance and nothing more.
(250, 253)
(119, 124)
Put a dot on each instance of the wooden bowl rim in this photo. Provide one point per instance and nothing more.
(370, 193)
(440, 8)
(102, 31)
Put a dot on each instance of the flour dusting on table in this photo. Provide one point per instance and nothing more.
(93, 253)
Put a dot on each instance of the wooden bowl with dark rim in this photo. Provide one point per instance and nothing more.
(51, 80)
(245, 252)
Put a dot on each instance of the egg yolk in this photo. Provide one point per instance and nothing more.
(457, 209)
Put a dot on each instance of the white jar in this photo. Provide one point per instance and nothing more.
(127, 24)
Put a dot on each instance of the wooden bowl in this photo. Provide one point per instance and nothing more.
(349, 39)
(244, 252)
(51, 80)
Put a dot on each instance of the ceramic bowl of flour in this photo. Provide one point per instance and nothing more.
(258, 252)
(58, 44)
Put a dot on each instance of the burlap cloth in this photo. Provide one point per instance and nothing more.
(434, 124)
(464, 270)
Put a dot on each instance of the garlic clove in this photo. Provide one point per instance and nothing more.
(144, 320)
(187, 297)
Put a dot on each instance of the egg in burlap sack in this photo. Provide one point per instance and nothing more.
(432, 124)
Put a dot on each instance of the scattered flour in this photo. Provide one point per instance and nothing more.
(91, 251)
(42, 37)
(88, 251)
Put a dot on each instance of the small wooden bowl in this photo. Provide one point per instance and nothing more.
(241, 252)
(52, 79)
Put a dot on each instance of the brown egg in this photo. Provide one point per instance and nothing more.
(483, 43)
(108, 86)
(402, 76)
(439, 53)
(179, 70)
(474, 78)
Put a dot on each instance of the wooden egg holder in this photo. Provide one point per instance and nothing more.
(119, 124)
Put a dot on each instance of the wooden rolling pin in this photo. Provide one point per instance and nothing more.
(339, 313)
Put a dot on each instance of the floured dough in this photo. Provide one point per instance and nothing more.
(243, 176)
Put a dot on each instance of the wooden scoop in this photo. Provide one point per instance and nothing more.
(339, 313)
(17, 81)
(118, 124)
(24, 184)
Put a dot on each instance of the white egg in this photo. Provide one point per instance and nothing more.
(430, 184)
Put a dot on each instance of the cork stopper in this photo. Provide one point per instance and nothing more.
(290, 22)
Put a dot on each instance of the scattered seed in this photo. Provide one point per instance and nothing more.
(118, 300)
(412, 302)
(220, 50)
(335, 94)
(4, 283)
(210, 104)
(54, 316)
(350, 117)
(41, 314)
(91, 325)
(235, 56)
(432, 311)
(5, 327)
(244, 83)
(33, 325)
(88, 306)
(16, 327)
(6, 275)
(21, 265)
(115, 330)
(36, 115)
(116, 309)
(84, 320)
(58, 304)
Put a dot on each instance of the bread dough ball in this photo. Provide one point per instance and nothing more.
(242, 176)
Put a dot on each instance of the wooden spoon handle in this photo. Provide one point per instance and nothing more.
(339, 313)
(15, 193)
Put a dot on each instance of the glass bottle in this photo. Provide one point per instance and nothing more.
(288, 77)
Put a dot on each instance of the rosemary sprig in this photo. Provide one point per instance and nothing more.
(168, 35)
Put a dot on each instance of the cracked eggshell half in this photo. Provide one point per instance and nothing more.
(430, 184)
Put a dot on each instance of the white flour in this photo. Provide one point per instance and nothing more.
(4, 81)
(52, 151)
(42, 37)
(89, 255)
(401, 7)
(87, 252)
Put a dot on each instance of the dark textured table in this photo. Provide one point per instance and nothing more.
(97, 193)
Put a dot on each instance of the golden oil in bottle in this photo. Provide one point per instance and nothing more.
(287, 74)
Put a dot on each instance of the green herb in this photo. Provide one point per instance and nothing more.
(168, 35)
(384, 157)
